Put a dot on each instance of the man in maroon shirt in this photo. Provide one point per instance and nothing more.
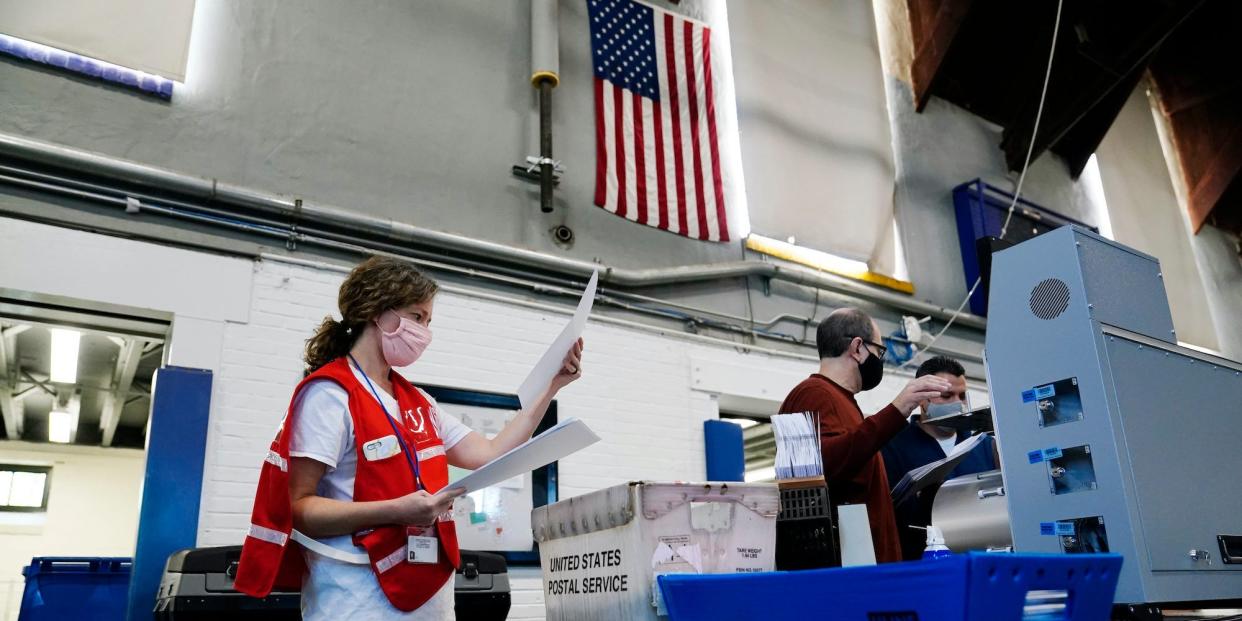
(852, 361)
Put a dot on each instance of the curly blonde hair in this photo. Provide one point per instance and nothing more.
(372, 287)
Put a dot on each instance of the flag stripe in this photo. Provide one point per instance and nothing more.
(710, 228)
(618, 107)
(661, 191)
(640, 161)
(709, 194)
(627, 137)
(601, 150)
(650, 180)
(675, 107)
(664, 139)
(687, 142)
(610, 151)
(717, 185)
(691, 88)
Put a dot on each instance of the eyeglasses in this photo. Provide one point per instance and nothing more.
(883, 349)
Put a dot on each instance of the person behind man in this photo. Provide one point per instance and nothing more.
(852, 361)
(921, 443)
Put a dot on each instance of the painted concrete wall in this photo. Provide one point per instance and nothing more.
(1218, 257)
(414, 111)
(1217, 254)
(417, 112)
(101, 483)
(1146, 214)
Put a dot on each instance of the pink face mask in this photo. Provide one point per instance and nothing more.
(405, 344)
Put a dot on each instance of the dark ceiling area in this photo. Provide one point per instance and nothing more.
(990, 58)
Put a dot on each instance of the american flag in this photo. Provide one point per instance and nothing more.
(657, 158)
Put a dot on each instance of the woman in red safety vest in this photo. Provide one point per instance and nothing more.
(357, 473)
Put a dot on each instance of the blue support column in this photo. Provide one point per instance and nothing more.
(171, 488)
(726, 459)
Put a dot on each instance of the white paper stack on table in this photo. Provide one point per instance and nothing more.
(563, 439)
(797, 445)
(934, 473)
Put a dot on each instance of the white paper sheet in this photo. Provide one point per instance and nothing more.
(567, 437)
(550, 363)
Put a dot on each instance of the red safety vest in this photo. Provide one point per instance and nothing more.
(267, 561)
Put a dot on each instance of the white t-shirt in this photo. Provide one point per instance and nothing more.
(323, 430)
(946, 444)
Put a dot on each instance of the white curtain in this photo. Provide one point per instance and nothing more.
(815, 135)
(147, 35)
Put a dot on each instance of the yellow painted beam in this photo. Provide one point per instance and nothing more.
(823, 261)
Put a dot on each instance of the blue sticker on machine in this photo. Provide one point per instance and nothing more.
(1028, 396)
(1043, 392)
(1052, 452)
(1059, 529)
(1035, 456)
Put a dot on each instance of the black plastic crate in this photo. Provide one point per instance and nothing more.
(806, 530)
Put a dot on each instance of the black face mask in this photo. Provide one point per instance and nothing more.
(871, 369)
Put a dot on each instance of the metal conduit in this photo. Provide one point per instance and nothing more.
(286, 208)
(267, 227)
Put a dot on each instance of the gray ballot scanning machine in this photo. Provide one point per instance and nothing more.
(1113, 438)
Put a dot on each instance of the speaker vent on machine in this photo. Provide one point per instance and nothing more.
(1050, 298)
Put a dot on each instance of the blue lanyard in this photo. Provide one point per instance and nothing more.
(413, 461)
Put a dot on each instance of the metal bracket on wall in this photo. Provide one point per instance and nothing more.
(291, 242)
(530, 171)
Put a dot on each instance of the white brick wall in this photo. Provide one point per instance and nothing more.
(636, 392)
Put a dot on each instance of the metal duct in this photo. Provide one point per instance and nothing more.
(545, 59)
(291, 209)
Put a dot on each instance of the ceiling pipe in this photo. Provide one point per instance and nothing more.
(545, 68)
(290, 209)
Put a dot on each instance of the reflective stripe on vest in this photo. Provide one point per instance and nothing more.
(269, 535)
(431, 451)
(323, 549)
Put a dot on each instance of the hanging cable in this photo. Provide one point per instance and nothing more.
(1017, 193)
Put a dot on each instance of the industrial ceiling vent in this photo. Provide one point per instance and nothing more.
(1050, 298)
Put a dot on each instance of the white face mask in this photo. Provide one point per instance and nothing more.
(938, 410)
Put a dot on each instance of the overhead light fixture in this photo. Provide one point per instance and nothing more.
(744, 423)
(65, 355)
(60, 426)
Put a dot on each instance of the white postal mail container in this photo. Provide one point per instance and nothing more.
(601, 552)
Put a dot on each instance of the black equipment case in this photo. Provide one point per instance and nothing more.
(198, 585)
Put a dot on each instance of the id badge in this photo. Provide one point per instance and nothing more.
(423, 545)
(381, 448)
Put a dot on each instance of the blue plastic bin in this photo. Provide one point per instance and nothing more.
(965, 587)
(80, 588)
